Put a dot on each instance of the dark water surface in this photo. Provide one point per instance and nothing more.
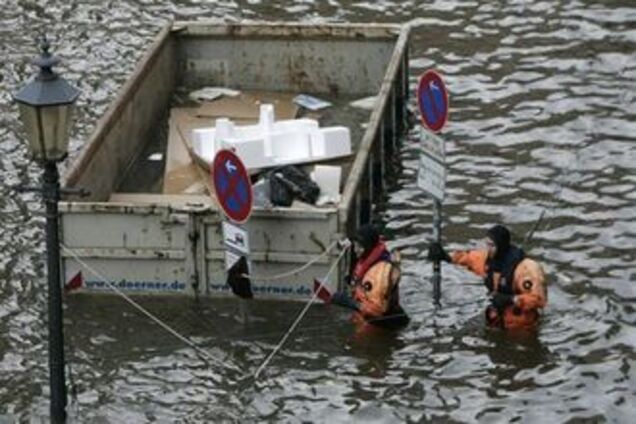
(543, 117)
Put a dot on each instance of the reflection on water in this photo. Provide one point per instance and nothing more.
(542, 119)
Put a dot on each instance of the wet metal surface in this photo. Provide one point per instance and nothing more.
(542, 117)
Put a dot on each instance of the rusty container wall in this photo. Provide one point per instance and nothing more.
(137, 248)
(309, 58)
(380, 141)
(154, 243)
(280, 241)
(122, 133)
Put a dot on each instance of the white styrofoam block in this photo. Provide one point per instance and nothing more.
(224, 129)
(290, 147)
(203, 142)
(328, 179)
(271, 143)
(251, 151)
(331, 142)
(294, 125)
(266, 123)
(317, 143)
(337, 141)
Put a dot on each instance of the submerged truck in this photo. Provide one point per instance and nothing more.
(143, 241)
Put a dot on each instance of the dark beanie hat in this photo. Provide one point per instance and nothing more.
(501, 237)
(367, 236)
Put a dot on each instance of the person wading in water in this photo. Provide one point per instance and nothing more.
(516, 284)
(373, 287)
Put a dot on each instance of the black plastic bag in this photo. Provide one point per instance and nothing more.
(279, 193)
(288, 183)
(238, 280)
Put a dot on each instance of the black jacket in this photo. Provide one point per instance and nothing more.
(504, 264)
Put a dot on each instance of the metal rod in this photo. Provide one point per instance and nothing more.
(57, 382)
(437, 236)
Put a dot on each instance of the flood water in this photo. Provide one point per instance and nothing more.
(543, 117)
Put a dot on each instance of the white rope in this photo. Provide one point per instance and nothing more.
(301, 315)
(141, 309)
(293, 271)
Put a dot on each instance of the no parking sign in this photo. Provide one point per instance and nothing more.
(233, 190)
(432, 99)
(232, 186)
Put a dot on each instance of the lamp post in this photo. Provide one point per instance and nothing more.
(45, 109)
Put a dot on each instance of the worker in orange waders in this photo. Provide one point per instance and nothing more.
(516, 284)
(373, 287)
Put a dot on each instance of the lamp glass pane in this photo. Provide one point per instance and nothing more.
(55, 127)
(29, 117)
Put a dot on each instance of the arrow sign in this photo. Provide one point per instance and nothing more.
(432, 100)
(232, 186)
(230, 167)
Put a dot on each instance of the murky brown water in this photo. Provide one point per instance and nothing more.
(543, 116)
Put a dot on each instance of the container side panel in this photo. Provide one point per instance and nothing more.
(125, 129)
(131, 276)
(122, 231)
(313, 66)
(380, 119)
(296, 287)
(276, 246)
(272, 235)
(142, 251)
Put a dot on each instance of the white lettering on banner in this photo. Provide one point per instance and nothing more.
(432, 177)
(236, 238)
(301, 291)
(129, 285)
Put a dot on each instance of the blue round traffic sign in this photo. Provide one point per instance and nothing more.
(432, 99)
(232, 186)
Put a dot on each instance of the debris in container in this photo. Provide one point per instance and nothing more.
(245, 108)
(311, 102)
(366, 103)
(212, 93)
(261, 193)
(288, 183)
(273, 143)
(328, 180)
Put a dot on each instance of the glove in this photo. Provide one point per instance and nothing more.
(501, 300)
(437, 253)
(343, 299)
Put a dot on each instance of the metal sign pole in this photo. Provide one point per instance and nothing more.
(437, 236)
(432, 100)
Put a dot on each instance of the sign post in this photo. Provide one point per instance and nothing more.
(233, 191)
(432, 99)
(236, 242)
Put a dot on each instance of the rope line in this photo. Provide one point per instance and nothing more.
(141, 309)
(293, 271)
(300, 316)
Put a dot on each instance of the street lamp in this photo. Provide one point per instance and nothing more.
(45, 110)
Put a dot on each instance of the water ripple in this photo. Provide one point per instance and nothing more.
(542, 120)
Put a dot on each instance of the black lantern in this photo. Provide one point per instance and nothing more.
(45, 109)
